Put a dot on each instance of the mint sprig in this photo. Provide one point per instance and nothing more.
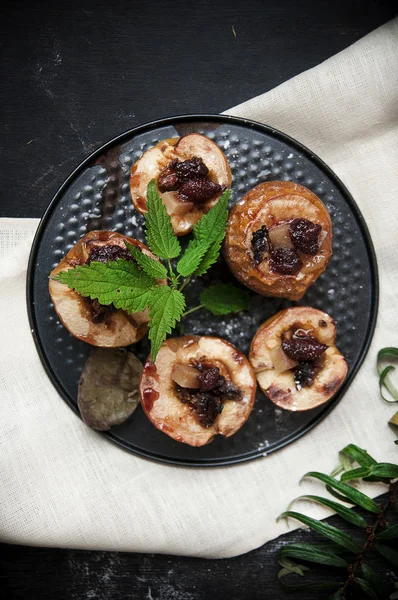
(136, 285)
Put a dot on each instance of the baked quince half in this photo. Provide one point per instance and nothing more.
(191, 173)
(198, 387)
(278, 239)
(295, 358)
(87, 319)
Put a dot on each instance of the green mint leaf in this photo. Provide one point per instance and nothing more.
(116, 282)
(224, 298)
(159, 232)
(209, 258)
(165, 309)
(191, 258)
(211, 227)
(151, 266)
(208, 234)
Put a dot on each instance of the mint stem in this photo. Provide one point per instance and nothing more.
(187, 280)
(191, 310)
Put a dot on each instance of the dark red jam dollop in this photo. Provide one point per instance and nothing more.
(260, 244)
(285, 261)
(99, 312)
(110, 252)
(208, 401)
(304, 374)
(303, 349)
(194, 168)
(305, 235)
(299, 345)
(198, 190)
(190, 178)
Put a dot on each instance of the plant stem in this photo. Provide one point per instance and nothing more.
(371, 534)
(187, 280)
(173, 277)
(191, 310)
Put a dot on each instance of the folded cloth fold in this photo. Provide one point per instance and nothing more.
(65, 485)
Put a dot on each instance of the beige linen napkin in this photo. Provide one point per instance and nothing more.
(64, 485)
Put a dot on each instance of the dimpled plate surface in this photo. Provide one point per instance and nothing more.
(97, 196)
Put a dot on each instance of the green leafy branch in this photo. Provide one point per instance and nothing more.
(150, 283)
(341, 550)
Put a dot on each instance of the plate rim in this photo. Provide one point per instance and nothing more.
(329, 406)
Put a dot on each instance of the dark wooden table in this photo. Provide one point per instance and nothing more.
(75, 74)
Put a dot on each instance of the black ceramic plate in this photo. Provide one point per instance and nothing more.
(97, 196)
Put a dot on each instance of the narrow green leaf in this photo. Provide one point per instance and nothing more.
(356, 497)
(337, 470)
(224, 298)
(346, 461)
(367, 588)
(292, 567)
(374, 580)
(311, 554)
(283, 572)
(388, 553)
(314, 586)
(328, 547)
(389, 352)
(337, 595)
(165, 309)
(388, 533)
(337, 495)
(159, 231)
(359, 455)
(152, 267)
(388, 470)
(383, 381)
(334, 534)
(347, 513)
(358, 473)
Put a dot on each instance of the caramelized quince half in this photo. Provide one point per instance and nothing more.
(278, 239)
(191, 173)
(295, 358)
(87, 319)
(198, 387)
